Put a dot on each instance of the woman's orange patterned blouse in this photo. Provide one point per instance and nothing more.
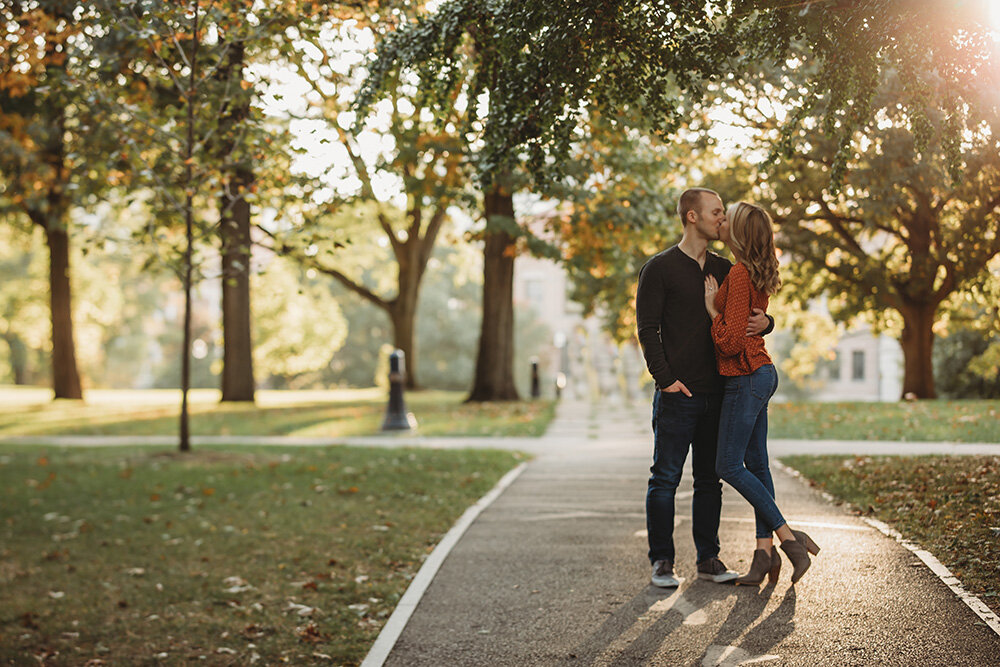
(735, 352)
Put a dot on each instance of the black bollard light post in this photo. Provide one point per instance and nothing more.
(396, 416)
(536, 385)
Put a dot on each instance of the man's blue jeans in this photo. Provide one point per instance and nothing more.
(742, 452)
(679, 423)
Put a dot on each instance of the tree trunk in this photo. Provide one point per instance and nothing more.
(184, 443)
(65, 376)
(403, 309)
(494, 379)
(237, 343)
(237, 347)
(403, 318)
(917, 342)
(187, 270)
(18, 358)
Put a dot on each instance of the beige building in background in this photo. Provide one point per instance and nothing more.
(867, 367)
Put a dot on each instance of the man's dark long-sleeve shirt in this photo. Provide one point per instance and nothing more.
(674, 327)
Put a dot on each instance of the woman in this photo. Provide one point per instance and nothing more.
(750, 381)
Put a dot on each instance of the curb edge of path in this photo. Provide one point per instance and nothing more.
(393, 628)
(980, 608)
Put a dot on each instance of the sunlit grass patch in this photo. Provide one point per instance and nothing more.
(912, 421)
(949, 505)
(333, 413)
(123, 554)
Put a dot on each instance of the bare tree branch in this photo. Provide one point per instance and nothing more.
(278, 247)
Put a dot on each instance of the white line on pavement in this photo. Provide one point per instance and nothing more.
(796, 522)
(408, 603)
(812, 524)
(583, 514)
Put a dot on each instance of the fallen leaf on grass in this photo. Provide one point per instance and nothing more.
(310, 634)
(236, 584)
(254, 631)
(300, 609)
(46, 483)
(43, 656)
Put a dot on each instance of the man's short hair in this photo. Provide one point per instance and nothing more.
(690, 200)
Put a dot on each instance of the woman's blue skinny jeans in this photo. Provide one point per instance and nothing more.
(741, 456)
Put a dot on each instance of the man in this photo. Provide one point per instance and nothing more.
(675, 333)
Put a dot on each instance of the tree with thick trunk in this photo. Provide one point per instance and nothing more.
(412, 249)
(917, 341)
(494, 379)
(65, 376)
(427, 158)
(902, 237)
(53, 220)
(237, 355)
(43, 181)
(234, 232)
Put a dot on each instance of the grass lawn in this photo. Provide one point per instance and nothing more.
(335, 413)
(224, 556)
(927, 421)
(949, 505)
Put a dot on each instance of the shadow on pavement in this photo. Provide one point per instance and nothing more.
(750, 604)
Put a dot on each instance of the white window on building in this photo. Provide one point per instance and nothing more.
(858, 365)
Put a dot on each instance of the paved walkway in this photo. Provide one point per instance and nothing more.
(554, 572)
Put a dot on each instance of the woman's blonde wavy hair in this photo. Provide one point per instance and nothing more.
(751, 235)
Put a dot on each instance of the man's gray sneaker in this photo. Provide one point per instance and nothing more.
(715, 570)
(663, 575)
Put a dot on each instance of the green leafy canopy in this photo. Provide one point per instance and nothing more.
(543, 64)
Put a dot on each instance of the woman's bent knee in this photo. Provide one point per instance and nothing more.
(727, 472)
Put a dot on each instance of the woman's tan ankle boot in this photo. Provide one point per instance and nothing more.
(759, 567)
(798, 556)
(806, 541)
